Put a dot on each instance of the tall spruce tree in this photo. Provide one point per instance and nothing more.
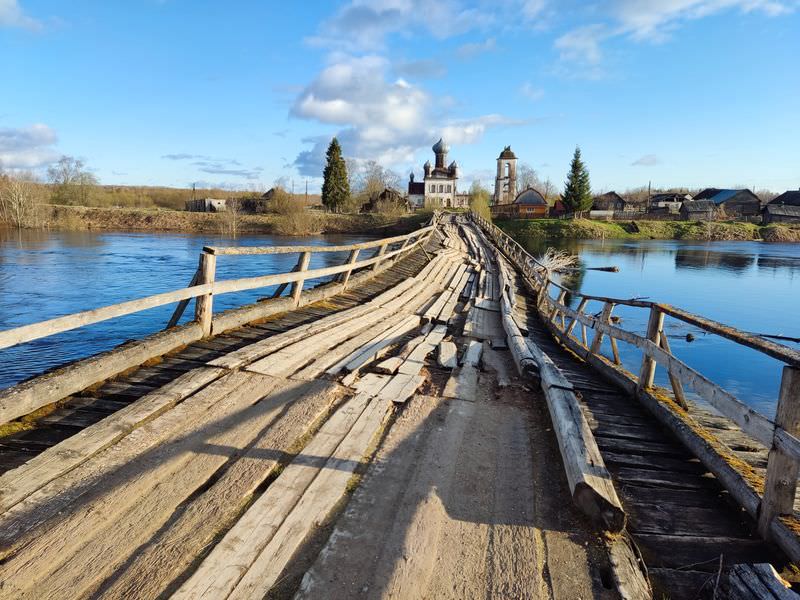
(335, 187)
(577, 190)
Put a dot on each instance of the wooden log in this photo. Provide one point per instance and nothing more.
(782, 469)
(605, 315)
(745, 582)
(590, 482)
(302, 267)
(179, 310)
(350, 260)
(654, 326)
(35, 393)
(204, 305)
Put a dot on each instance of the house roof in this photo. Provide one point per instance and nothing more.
(698, 206)
(670, 197)
(530, 197)
(507, 153)
(782, 210)
(792, 198)
(718, 196)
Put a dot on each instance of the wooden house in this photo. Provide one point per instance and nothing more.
(790, 198)
(610, 201)
(780, 213)
(206, 205)
(732, 203)
(698, 210)
(529, 204)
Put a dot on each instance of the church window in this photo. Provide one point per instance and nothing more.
(449, 188)
(433, 187)
(441, 188)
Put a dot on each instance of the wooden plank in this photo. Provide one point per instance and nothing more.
(30, 395)
(373, 351)
(463, 384)
(232, 557)
(448, 355)
(400, 388)
(757, 581)
(19, 483)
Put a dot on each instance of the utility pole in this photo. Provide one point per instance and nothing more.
(306, 191)
(292, 189)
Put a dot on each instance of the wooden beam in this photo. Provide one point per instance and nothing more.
(204, 305)
(782, 469)
(178, 313)
(654, 326)
(302, 267)
(350, 260)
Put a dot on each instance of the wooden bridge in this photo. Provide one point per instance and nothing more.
(434, 420)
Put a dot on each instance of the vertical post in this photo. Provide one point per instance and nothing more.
(381, 252)
(297, 286)
(604, 317)
(579, 310)
(782, 470)
(654, 326)
(203, 305)
(350, 260)
(677, 386)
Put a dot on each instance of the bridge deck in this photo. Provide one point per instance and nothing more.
(334, 452)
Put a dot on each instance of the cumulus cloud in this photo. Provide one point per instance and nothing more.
(648, 160)
(27, 147)
(472, 49)
(420, 69)
(12, 15)
(379, 118)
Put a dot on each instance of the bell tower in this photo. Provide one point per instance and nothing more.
(505, 184)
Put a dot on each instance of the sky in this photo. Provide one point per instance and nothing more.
(690, 93)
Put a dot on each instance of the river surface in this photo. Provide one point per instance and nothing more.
(48, 274)
(754, 286)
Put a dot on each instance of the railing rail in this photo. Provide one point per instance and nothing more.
(204, 286)
(780, 435)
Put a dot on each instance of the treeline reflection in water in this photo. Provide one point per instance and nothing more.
(750, 285)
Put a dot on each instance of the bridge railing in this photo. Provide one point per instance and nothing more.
(204, 286)
(765, 499)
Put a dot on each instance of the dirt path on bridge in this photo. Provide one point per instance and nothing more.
(464, 499)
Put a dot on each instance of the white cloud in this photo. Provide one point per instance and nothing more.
(12, 15)
(647, 20)
(474, 48)
(380, 119)
(532, 9)
(648, 160)
(27, 147)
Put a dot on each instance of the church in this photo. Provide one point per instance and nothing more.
(438, 187)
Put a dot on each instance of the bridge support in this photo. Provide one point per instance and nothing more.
(782, 469)
(203, 308)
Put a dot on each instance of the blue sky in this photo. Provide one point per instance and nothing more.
(167, 92)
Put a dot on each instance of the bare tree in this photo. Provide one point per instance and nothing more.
(528, 178)
(72, 183)
(21, 196)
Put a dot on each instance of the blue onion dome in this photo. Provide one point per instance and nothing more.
(441, 147)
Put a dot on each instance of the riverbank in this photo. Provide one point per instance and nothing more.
(553, 229)
(79, 218)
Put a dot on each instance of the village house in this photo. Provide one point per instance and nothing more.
(439, 186)
(732, 203)
(206, 205)
(780, 213)
(610, 201)
(387, 198)
(790, 198)
(529, 204)
(668, 202)
(698, 210)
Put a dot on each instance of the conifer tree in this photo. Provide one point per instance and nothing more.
(335, 188)
(577, 190)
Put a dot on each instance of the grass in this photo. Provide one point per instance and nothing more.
(549, 229)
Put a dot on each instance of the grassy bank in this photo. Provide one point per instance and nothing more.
(155, 219)
(643, 230)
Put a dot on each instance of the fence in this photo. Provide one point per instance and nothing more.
(780, 435)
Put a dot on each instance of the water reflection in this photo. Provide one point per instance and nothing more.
(704, 258)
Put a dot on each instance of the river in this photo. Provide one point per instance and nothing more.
(46, 274)
(754, 286)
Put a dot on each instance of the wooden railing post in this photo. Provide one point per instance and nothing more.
(350, 260)
(780, 484)
(648, 371)
(204, 305)
(604, 317)
(381, 252)
(297, 286)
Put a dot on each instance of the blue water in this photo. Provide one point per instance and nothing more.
(754, 286)
(48, 274)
